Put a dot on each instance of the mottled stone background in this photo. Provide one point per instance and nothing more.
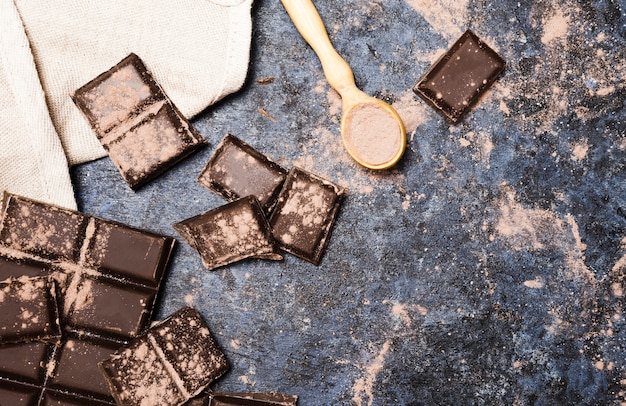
(489, 267)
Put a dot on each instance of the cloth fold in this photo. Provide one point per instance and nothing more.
(198, 50)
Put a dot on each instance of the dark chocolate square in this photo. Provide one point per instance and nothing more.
(129, 253)
(187, 344)
(230, 233)
(15, 394)
(29, 310)
(171, 362)
(237, 170)
(141, 129)
(305, 213)
(25, 362)
(456, 81)
(76, 368)
(104, 306)
(108, 100)
(40, 229)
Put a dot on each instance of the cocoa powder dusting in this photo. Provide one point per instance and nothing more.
(372, 134)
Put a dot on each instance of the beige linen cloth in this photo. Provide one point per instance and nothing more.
(198, 50)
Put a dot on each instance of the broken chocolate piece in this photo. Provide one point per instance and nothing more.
(252, 399)
(237, 170)
(29, 310)
(305, 213)
(107, 275)
(141, 129)
(230, 233)
(456, 81)
(170, 363)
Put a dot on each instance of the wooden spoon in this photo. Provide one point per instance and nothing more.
(372, 131)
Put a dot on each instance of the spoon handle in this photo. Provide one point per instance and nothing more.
(309, 23)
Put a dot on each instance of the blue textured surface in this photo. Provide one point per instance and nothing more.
(487, 268)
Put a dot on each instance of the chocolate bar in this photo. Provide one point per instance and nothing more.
(305, 213)
(137, 124)
(107, 275)
(237, 170)
(28, 310)
(170, 363)
(455, 82)
(230, 233)
(252, 399)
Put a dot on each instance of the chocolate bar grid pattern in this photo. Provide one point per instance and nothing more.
(75, 249)
(137, 124)
(457, 80)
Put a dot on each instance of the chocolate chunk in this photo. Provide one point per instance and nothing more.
(103, 305)
(141, 129)
(21, 267)
(68, 371)
(76, 369)
(54, 398)
(127, 252)
(14, 394)
(26, 362)
(230, 233)
(456, 81)
(28, 310)
(305, 213)
(108, 276)
(42, 230)
(252, 399)
(237, 170)
(170, 363)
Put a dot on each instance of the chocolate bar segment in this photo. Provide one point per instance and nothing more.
(14, 394)
(237, 170)
(305, 214)
(169, 364)
(76, 369)
(21, 267)
(127, 252)
(107, 275)
(104, 306)
(113, 96)
(28, 310)
(456, 81)
(141, 129)
(55, 398)
(252, 399)
(230, 233)
(41, 230)
(26, 363)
